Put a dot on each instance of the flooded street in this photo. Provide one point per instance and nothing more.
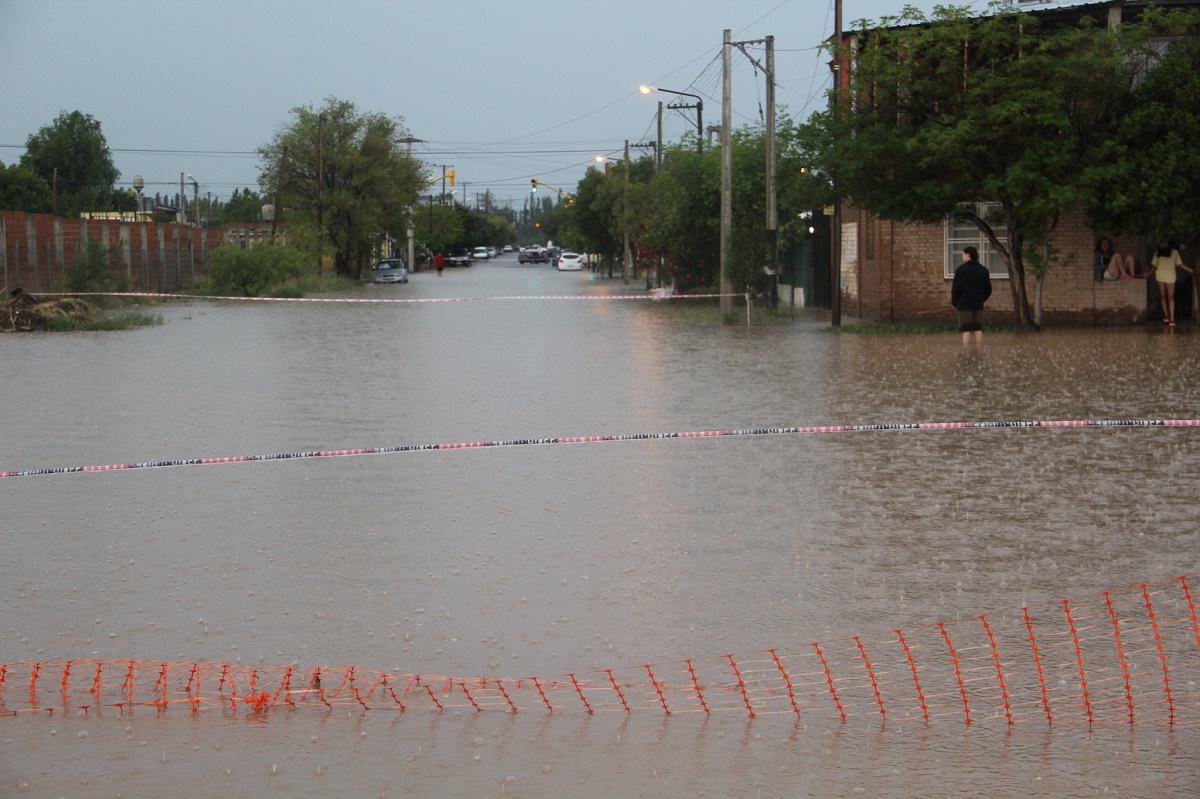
(556, 559)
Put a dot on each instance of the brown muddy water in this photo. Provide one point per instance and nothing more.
(548, 560)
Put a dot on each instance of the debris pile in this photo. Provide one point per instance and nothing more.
(22, 311)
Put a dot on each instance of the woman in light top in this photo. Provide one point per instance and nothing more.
(1164, 264)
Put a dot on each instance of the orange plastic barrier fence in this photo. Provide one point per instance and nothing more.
(1119, 657)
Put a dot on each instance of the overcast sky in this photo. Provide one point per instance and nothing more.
(501, 90)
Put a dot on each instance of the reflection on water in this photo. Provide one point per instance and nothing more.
(545, 560)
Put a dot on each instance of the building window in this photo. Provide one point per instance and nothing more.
(961, 232)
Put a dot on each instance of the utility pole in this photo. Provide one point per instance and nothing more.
(772, 195)
(278, 187)
(627, 263)
(320, 170)
(726, 174)
(182, 201)
(772, 204)
(835, 238)
(412, 225)
(658, 152)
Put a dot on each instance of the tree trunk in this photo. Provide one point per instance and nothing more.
(1016, 266)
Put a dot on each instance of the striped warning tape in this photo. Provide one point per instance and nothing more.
(521, 442)
(389, 300)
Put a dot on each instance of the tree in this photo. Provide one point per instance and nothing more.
(232, 270)
(945, 115)
(440, 228)
(346, 174)
(1150, 187)
(244, 206)
(72, 156)
(22, 190)
(98, 268)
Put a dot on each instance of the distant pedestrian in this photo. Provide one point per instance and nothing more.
(439, 261)
(1164, 263)
(971, 288)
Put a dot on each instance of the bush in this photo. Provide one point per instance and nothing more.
(232, 270)
(97, 269)
(124, 321)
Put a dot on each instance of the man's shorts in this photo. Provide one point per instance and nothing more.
(969, 321)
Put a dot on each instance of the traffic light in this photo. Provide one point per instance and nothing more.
(534, 181)
(450, 175)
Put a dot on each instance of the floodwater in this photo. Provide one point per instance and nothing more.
(554, 559)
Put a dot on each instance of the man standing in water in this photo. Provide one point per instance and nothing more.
(971, 288)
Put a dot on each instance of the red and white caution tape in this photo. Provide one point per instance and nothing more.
(521, 442)
(386, 300)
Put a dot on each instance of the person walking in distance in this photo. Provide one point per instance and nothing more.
(439, 261)
(970, 290)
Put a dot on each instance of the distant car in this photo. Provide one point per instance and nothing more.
(390, 270)
(570, 261)
(508, 248)
(491, 251)
(533, 255)
(459, 258)
(480, 254)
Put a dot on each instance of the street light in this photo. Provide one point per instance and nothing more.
(699, 106)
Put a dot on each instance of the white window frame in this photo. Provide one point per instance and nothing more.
(959, 233)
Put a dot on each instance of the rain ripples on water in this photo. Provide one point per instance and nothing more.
(547, 560)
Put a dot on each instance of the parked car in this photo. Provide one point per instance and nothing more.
(480, 254)
(459, 258)
(491, 251)
(508, 248)
(570, 261)
(390, 270)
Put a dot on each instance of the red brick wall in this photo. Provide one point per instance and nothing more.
(900, 277)
(36, 247)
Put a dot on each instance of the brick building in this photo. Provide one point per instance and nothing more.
(901, 272)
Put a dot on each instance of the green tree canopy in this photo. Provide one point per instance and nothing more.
(441, 228)
(244, 206)
(71, 155)
(1150, 186)
(22, 190)
(344, 173)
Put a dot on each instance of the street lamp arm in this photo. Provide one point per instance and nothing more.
(699, 106)
(644, 89)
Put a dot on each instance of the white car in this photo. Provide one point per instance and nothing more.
(570, 261)
(480, 254)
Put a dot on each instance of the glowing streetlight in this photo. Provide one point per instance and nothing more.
(698, 105)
